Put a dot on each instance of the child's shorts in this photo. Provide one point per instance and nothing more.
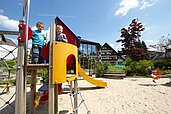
(35, 53)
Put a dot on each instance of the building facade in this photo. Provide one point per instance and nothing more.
(89, 54)
(110, 56)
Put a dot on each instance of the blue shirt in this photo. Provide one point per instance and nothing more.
(38, 38)
(58, 38)
(149, 72)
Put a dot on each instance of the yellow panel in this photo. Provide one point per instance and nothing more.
(60, 52)
(71, 78)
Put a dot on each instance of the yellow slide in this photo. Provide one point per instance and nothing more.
(99, 83)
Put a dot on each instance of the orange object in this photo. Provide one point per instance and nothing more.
(157, 73)
(37, 99)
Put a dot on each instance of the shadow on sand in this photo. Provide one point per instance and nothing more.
(9, 108)
(166, 84)
(148, 84)
(66, 90)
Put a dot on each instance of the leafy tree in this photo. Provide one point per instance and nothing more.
(145, 50)
(163, 45)
(133, 47)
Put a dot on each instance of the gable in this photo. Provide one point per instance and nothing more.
(106, 46)
(72, 38)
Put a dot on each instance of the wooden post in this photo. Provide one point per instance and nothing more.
(21, 74)
(33, 91)
(51, 107)
(34, 68)
(76, 96)
(20, 82)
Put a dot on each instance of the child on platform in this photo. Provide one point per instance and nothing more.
(61, 37)
(38, 41)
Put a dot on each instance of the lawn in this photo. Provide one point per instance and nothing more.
(113, 68)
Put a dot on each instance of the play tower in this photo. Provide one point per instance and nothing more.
(61, 57)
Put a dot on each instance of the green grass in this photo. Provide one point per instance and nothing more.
(112, 68)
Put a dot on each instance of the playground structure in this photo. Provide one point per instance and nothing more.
(57, 71)
(59, 63)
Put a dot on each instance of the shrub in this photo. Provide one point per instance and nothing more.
(44, 75)
(166, 72)
(138, 68)
(13, 81)
(163, 64)
(100, 70)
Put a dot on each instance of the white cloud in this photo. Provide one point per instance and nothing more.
(20, 4)
(47, 34)
(7, 23)
(150, 44)
(117, 46)
(146, 4)
(112, 45)
(147, 28)
(148, 41)
(125, 6)
(1, 11)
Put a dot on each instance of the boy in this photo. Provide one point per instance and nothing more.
(38, 41)
(61, 37)
(150, 72)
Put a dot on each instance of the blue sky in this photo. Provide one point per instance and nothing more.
(95, 20)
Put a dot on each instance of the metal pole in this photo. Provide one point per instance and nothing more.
(76, 97)
(51, 107)
(25, 54)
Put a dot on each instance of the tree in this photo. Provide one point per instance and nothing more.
(145, 50)
(163, 45)
(133, 47)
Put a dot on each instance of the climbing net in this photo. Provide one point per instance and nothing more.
(5, 66)
(7, 102)
(72, 93)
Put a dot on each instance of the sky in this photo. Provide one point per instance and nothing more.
(95, 20)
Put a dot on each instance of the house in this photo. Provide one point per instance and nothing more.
(110, 56)
(155, 55)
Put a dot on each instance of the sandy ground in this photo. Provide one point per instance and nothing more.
(122, 96)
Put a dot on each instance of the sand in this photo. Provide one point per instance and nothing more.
(122, 96)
